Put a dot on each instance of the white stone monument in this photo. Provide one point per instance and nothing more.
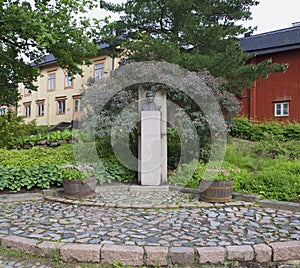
(153, 140)
(150, 148)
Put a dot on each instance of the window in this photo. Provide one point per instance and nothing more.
(27, 91)
(61, 106)
(2, 111)
(68, 79)
(27, 107)
(99, 71)
(51, 81)
(40, 108)
(76, 106)
(282, 109)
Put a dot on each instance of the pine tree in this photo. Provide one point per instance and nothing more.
(194, 34)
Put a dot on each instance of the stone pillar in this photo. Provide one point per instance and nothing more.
(150, 148)
(161, 100)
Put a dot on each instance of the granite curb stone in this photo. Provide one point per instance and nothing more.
(182, 255)
(148, 255)
(211, 255)
(127, 255)
(9, 198)
(49, 249)
(240, 253)
(263, 253)
(80, 253)
(26, 245)
(156, 255)
(283, 251)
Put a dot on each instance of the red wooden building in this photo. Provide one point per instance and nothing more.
(278, 96)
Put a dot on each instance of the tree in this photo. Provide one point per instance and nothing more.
(194, 34)
(29, 30)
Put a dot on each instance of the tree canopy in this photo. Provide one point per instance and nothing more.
(194, 34)
(31, 29)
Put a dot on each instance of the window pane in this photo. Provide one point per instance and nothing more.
(40, 109)
(277, 109)
(99, 70)
(69, 80)
(27, 110)
(76, 105)
(51, 82)
(61, 106)
(285, 109)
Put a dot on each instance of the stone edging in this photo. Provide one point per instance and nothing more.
(276, 252)
(243, 200)
(56, 196)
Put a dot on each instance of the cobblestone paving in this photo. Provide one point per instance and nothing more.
(7, 262)
(174, 227)
(123, 196)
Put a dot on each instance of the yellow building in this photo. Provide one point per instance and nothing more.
(58, 96)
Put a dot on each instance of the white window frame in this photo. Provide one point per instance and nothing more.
(68, 79)
(27, 107)
(99, 70)
(76, 105)
(51, 81)
(61, 106)
(2, 111)
(281, 108)
(40, 108)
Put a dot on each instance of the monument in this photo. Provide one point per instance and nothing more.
(153, 143)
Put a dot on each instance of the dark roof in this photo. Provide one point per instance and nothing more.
(48, 59)
(270, 42)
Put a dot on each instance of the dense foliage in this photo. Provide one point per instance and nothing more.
(242, 127)
(273, 177)
(193, 34)
(42, 176)
(12, 127)
(32, 29)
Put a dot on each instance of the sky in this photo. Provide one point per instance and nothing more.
(269, 15)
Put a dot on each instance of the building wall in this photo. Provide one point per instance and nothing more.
(61, 95)
(279, 88)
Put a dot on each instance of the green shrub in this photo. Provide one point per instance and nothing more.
(12, 127)
(42, 176)
(242, 128)
(54, 136)
(104, 148)
(274, 148)
(273, 184)
(114, 170)
(37, 156)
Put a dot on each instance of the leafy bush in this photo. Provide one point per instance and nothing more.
(114, 170)
(190, 174)
(37, 156)
(243, 128)
(274, 148)
(174, 148)
(103, 146)
(55, 136)
(277, 184)
(42, 176)
(12, 127)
